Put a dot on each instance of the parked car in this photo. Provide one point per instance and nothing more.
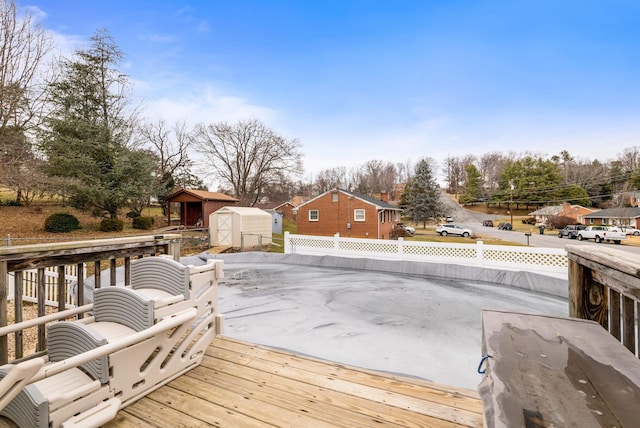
(504, 226)
(402, 229)
(487, 223)
(628, 230)
(453, 229)
(601, 233)
(449, 219)
(570, 231)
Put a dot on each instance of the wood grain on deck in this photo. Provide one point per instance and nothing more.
(244, 385)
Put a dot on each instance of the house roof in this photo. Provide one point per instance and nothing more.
(548, 210)
(204, 195)
(626, 212)
(368, 199)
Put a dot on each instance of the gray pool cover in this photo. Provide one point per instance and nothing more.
(415, 325)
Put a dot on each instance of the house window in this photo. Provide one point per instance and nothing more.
(334, 197)
(313, 215)
(590, 221)
(358, 215)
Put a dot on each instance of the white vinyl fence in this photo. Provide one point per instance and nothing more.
(546, 261)
(30, 285)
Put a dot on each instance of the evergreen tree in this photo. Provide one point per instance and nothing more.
(422, 194)
(88, 131)
(529, 181)
(473, 188)
(575, 195)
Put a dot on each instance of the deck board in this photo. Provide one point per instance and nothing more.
(241, 384)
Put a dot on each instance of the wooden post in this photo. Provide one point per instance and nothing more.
(112, 272)
(97, 274)
(4, 286)
(587, 298)
(42, 338)
(127, 271)
(614, 314)
(62, 288)
(628, 324)
(17, 311)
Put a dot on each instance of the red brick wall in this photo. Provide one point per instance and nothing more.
(334, 216)
(287, 212)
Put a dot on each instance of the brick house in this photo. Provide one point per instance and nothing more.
(575, 212)
(285, 209)
(347, 213)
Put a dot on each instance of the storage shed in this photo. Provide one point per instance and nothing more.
(240, 227)
(191, 208)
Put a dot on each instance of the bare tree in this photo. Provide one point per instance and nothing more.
(404, 171)
(629, 159)
(375, 176)
(23, 48)
(491, 166)
(170, 147)
(248, 156)
(454, 174)
(331, 178)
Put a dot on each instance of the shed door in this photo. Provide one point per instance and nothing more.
(225, 228)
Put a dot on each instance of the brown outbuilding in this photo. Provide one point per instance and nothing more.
(191, 208)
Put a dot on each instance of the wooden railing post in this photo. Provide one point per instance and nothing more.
(4, 287)
(17, 312)
(587, 298)
(62, 288)
(42, 345)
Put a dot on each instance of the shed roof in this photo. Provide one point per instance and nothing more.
(245, 211)
(203, 195)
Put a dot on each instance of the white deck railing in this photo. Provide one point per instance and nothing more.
(545, 261)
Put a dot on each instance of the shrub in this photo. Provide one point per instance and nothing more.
(61, 223)
(143, 222)
(11, 203)
(111, 225)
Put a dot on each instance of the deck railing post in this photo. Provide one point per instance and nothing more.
(587, 299)
(400, 248)
(336, 243)
(4, 287)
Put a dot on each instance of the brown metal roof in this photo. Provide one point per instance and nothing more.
(204, 195)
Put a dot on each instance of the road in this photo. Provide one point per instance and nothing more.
(473, 221)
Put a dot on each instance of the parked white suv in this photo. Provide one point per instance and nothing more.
(453, 229)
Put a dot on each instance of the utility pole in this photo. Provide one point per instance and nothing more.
(510, 207)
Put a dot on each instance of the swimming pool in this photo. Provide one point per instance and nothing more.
(416, 325)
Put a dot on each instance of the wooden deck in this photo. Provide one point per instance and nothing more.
(245, 385)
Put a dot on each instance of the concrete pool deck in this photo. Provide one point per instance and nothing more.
(417, 319)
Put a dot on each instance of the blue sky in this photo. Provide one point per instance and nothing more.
(356, 80)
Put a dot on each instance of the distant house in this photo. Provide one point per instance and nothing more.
(347, 213)
(615, 216)
(575, 212)
(543, 214)
(191, 208)
(632, 198)
(285, 209)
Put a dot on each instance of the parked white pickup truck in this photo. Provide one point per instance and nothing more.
(601, 234)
